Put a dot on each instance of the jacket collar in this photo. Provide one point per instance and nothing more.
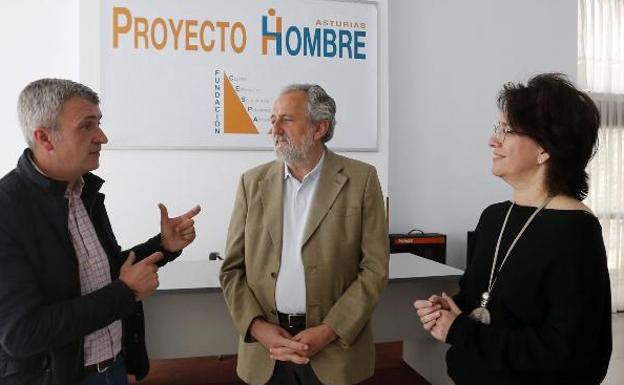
(25, 168)
(331, 181)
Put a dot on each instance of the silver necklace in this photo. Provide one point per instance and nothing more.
(482, 314)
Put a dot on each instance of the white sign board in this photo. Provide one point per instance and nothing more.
(204, 74)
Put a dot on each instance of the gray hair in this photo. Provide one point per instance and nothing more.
(320, 106)
(40, 103)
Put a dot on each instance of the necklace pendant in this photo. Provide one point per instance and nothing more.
(482, 314)
(485, 298)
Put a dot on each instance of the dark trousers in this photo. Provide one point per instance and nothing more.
(289, 373)
(115, 375)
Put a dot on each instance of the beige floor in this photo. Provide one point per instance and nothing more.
(615, 375)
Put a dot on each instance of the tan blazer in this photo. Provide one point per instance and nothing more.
(345, 258)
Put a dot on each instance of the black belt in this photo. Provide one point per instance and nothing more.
(102, 366)
(292, 321)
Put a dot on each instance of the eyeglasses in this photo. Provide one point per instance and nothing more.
(501, 130)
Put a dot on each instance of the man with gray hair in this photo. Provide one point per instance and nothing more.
(306, 254)
(70, 310)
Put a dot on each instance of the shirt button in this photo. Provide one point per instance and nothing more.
(273, 275)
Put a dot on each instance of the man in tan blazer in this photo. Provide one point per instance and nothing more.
(307, 254)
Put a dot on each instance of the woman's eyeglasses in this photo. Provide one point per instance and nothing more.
(501, 130)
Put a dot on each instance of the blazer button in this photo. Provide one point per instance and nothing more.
(274, 275)
(273, 311)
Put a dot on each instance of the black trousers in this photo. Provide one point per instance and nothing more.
(289, 373)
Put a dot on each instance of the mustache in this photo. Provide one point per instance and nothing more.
(280, 137)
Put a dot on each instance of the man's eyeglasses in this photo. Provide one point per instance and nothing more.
(501, 130)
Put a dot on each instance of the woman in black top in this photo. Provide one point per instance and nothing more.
(534, 305)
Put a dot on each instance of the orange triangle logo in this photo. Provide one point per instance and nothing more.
(235, 118)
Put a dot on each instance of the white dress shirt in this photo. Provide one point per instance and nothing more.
(290, 289)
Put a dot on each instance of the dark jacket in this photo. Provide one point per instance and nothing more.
(43, 317)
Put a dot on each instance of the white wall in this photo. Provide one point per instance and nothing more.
(38, 39)
(448, 59)
(41, 38)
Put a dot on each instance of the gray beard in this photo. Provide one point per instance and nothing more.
(292, 154)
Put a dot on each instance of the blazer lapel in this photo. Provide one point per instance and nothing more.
(272, 191)
(329, 185)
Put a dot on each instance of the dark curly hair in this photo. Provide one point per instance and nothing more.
(563, 120)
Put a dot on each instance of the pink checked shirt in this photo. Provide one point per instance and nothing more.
(94, 274)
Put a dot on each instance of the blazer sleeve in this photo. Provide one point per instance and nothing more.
(241, 302)
(353, 309)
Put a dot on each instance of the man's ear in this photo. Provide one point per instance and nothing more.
(43, 138)
(321, 130)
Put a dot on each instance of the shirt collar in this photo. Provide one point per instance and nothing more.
(315, 171)
(77, 191)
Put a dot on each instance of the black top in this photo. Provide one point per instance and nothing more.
(550, 307)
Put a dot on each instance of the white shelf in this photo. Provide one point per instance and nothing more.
(204, 274)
